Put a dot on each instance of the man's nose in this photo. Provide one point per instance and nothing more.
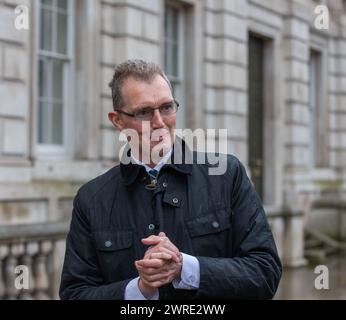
(157, 121)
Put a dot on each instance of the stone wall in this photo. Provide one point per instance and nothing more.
(14, 86)
(35, 189)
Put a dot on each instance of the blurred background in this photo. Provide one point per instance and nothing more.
(271, 72)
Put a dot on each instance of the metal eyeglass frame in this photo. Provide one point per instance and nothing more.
(135, 115)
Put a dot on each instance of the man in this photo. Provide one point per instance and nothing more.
(160, 229)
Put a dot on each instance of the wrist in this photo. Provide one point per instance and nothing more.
(146, 290)
(178, 272)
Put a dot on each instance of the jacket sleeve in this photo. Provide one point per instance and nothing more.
(254, 270)
(81, 276)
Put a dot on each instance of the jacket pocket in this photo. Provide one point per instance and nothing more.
(210, 233)
(213, 221)
(113, 240)
(115, 253)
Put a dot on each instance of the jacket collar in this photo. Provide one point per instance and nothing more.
(130, 171)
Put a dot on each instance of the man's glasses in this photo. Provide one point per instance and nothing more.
(147, 113)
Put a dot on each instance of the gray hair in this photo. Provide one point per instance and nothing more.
(138, 69)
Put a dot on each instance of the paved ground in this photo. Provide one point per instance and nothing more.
(298, 284)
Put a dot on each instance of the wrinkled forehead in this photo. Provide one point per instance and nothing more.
(138, 92)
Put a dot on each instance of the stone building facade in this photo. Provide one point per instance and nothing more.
(262, 69)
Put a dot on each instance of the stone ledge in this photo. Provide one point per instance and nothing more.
(41, 231)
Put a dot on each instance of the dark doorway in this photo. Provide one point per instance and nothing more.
(256, 110)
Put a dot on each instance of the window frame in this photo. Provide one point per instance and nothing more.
(65, 149)
(319, 156)
(314, 71)
(178, 82)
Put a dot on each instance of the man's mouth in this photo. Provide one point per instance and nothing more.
(159, 135)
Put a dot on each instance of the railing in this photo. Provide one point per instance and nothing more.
(30, 260)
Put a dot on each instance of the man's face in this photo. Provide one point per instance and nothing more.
(155, 134)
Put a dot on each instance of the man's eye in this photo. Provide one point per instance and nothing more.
(143, 112)
(166, 107)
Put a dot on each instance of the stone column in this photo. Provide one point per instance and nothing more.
(225, 79)
(296, 44)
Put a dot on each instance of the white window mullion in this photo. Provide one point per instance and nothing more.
(50, 101)
(181, 60)
(65, 115)
(54, 27)
(69, 89)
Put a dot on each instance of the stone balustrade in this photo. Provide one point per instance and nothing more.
(30, 260)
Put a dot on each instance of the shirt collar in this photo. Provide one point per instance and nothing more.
(130, 171)
(158, 167)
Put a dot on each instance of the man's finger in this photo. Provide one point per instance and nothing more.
(162, 241)
(157, 279)
(157, 249)
(152, 240)
(167, 247)
(160, 255)
(150, 263)
(163, 276)
(146, 272)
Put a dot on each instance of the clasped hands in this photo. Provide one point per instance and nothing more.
(162, 263)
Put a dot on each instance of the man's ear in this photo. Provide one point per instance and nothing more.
(115, 119)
